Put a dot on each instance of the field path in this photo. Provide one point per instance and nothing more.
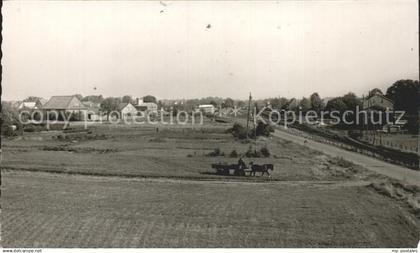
(188, 180)
(391, 170)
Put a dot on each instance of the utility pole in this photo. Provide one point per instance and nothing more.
(247, 116)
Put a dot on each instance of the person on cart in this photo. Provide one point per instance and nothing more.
(241, 167)
(241, 163)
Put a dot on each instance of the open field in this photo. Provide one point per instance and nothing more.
(41, 210)
(155, 188)
(173, 151)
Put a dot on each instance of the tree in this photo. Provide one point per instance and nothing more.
(316, 102)
(9, 118)
(305, 104)
(31, 99)
(228, 103)
(239, 131)
(406, 97)
(279, 102)
(128, 99)
(292, 104)
(283, 103)
(263, 129)
(94, 99)
(375, 91)
(336, 104)
(240, 104)
(352, 101)
(149, 99)
(79, 96)
(405, 94)
(110, 104)
(212, 102)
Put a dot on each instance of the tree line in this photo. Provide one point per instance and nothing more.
(404, 93)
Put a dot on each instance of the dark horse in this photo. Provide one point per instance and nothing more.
(261, 168)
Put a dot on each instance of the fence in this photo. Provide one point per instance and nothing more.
(410, 160)
(387, 143)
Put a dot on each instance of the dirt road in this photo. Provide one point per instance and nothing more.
(387, 169)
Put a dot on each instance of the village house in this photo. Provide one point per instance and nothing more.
(65, 106)
(93, 110)
(26, 105)
(377, 101)
(34, 105)
(127, 110)
(207, 108)
(148, 107)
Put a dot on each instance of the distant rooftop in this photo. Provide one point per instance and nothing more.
(64, 103)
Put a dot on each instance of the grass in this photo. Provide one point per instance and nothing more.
(153, 186)
(173, 151)
(41, 210)
(408, 194)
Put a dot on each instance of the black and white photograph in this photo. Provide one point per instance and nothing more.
(129, 125)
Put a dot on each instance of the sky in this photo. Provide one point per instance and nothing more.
(186, 49)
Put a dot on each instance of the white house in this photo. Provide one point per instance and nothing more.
(146, 106)
(93, 110)
(26, 105)
(127, 110)
(377, 101)
(207, 108)
(38, 104)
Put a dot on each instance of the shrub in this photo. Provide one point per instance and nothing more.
(29, 129)
(263, 129)
(238, 131)
(252, 153)
(233, 154)
(216, 152)
(340, 161)
(33, 128)
(265, 152)
(10, 124)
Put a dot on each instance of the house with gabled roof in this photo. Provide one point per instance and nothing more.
(127, 110)
(26, 105)
(377, 101)
(94, 110)
(65, 106)
(30, 105)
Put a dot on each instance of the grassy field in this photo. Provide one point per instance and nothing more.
(173, 151)
(156, 189)
(58, 211)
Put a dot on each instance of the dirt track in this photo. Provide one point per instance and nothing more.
(387, 169)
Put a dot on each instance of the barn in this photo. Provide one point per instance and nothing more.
(68, 106)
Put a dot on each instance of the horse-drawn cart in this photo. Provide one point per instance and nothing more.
(241, 170)
(225, 169)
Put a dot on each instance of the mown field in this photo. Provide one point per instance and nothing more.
(56, 211)
(139, 186)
